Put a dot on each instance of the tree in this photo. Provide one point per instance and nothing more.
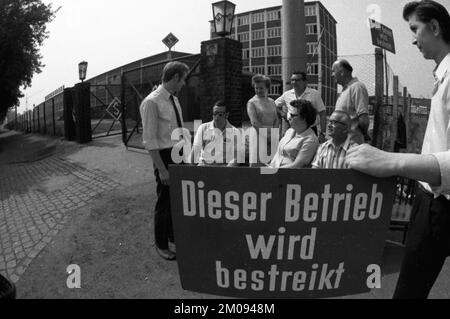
(22, 32)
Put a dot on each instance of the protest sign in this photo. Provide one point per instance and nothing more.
(294, 234)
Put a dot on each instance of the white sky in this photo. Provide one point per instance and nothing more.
(111, 33)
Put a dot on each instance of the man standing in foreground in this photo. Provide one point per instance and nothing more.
(428, 242)
(354, 100)
(161, 115)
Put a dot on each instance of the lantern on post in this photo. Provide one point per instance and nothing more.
(223, 13)
(82, 70)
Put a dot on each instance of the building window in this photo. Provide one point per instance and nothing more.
(258, 69)
(274, 15)
(274, 70)
(311, 48)
(246, 54)
(274, 32)
(243, 20)
(258, 35)
(310, 11)
(275, 89)
(258, 53)
(313, 69)
(243, 37)
(274, 50)
(311, 29)
(258, 17)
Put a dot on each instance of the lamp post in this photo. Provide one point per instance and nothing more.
(82, 70)
(223, 13)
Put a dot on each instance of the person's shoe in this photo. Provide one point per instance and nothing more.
(166, 254)
(173, 247)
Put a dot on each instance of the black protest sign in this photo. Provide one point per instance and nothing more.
(382, 36)
(294, 234)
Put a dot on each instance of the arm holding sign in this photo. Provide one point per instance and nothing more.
(425, 168)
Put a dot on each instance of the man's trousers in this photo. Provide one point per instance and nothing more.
(163, 214)
(427, 246)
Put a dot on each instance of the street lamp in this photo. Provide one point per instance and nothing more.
(223, 13)
(82, 69)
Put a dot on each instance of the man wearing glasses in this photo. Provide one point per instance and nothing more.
(215, 142)
(301, 91)
(332, 154)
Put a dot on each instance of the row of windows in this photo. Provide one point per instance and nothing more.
(311, 29)
(258, 53)
(271, 16)
(313, 68)
(258, 35)
(273, 51)
(274, 70)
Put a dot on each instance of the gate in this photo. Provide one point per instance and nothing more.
(139, 82)
(106, 114)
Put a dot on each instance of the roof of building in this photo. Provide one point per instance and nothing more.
(279, 7)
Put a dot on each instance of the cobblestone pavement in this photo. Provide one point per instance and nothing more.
(36, 201)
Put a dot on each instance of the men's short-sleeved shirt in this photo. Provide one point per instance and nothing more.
(330, 156)
(311, 95)
(437, 135)
(159, 120)
(354, 99)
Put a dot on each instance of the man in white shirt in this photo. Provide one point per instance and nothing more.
(218, 142)
(301, 91)
(428, 242)
(161, 114)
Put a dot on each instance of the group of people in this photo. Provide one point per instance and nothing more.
(303, 145)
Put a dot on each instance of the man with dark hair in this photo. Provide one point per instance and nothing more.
(428, 243)
(332, 153)
(214, 142)
(354, 100)
(161, 114)
(301, 91)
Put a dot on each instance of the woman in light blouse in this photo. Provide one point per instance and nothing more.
(263, 115)
(299, 145)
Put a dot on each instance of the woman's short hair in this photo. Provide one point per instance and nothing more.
(427, 10)
(173, 68)
(306, 110)
(259, 78)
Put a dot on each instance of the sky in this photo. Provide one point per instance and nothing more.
(111, 33)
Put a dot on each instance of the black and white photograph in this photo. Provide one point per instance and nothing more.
(224, 155)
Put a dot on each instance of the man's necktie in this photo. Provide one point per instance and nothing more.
(180, 125)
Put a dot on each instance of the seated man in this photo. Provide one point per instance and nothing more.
(216, 142)
(332, 154)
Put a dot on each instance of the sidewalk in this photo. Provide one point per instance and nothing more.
(63, 204)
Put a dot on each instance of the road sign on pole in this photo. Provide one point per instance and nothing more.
(382, 36)
(170, 40)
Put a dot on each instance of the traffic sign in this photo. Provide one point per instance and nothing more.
(170, 40)
(114, 109)
(382, 36)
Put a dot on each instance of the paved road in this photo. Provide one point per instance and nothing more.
(36, 201)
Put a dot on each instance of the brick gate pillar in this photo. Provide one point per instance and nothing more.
(221, 77)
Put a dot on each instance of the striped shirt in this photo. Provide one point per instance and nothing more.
(330, 156)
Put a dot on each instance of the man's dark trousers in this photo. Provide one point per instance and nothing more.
(163, 214)
(427, 247)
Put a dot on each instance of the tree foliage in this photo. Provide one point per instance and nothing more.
(22, 32)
